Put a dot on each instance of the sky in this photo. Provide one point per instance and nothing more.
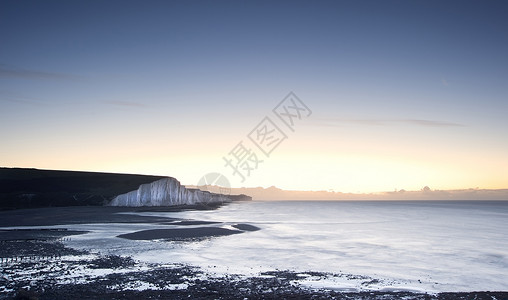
(392, 94)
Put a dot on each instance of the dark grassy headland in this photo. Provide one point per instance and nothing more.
(33, 188)
(30, 188)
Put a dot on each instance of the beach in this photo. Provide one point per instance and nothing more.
(38, 262)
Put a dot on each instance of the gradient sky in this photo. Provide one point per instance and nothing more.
(403, 94)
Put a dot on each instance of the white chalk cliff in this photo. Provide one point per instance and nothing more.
(166, 192)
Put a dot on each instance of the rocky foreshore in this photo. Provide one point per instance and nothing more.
(84, 275)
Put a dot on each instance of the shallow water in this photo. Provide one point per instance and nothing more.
(424, 246)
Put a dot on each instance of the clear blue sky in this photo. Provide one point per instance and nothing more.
(403, 93)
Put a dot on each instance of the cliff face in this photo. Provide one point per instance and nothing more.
(169, 192)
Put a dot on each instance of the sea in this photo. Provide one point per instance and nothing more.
(421, 246)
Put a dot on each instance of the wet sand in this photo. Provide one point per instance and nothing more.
(179, 233)
(50, 216)
(88, 215)
(36, 234)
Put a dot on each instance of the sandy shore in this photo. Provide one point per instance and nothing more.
(35, 264)
(49, 216)
(89, 215)
(179, 233)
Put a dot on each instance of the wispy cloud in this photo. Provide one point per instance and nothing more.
(7, 96)
(126, 103)
(14, 72)
(387, 122)
(430, 123)
(444, 82)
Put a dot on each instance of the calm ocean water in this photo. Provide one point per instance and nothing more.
(425, 246)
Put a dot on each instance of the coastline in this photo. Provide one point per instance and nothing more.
(36, 263)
